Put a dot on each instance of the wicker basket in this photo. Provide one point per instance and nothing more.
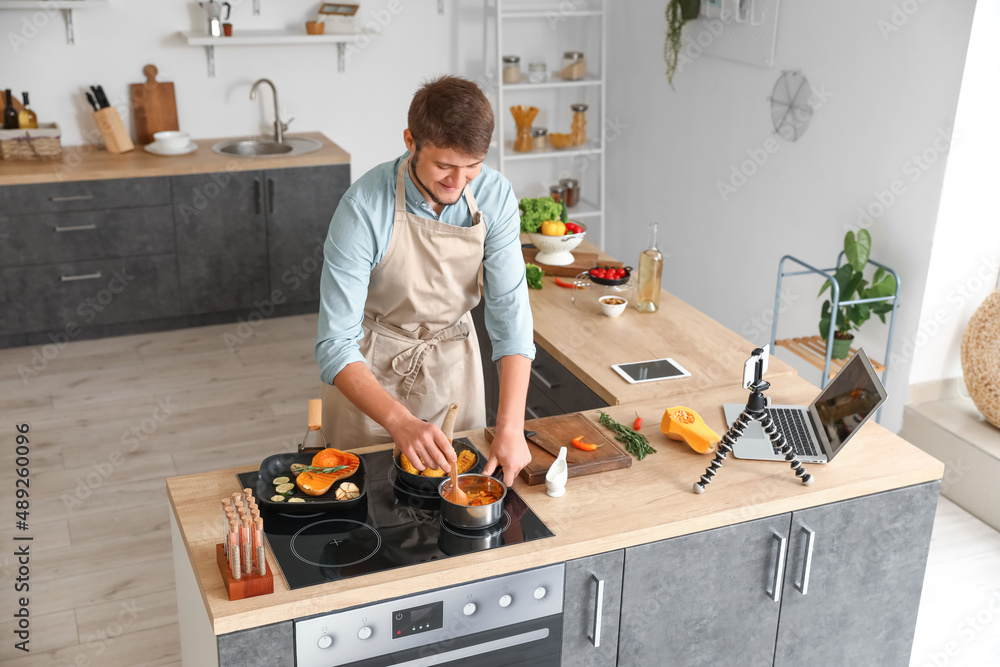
(40, 144)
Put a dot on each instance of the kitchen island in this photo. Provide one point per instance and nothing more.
(866, 522)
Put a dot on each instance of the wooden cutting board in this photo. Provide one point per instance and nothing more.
(153, 106)
(582, 261)
(555, 432)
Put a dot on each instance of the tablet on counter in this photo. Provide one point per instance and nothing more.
(651, 371)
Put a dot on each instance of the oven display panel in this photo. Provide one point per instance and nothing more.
(417, 619)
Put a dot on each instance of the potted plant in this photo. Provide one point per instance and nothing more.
(678, 13)
(853, 285)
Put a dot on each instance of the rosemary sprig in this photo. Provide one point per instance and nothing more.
(636, 444)
(326, 471)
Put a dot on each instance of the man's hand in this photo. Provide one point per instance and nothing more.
(510, 450)
(423, 443)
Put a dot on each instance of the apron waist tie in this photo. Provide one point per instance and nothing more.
(407, 363)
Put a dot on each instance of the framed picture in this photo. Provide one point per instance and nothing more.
(338, 9)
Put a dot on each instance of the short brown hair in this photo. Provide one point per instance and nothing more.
(451, 112)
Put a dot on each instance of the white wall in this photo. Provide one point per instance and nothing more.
(888, 97)
(966, 256)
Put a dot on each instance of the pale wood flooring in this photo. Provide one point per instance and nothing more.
(102, 584)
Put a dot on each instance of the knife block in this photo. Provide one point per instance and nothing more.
(247, 586)
(116, 139)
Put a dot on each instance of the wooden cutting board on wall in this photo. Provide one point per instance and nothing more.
(153, 106)
(551, 433)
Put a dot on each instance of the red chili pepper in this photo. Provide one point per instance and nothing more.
(563, 283)
(637, 424)
(585, 446)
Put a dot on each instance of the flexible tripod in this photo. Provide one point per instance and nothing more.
(756, 410)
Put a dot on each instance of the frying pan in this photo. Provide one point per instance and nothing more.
(279, 465)
(430, 484)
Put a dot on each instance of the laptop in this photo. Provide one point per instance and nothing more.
(819, 431)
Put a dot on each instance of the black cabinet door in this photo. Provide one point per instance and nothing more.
(854, 599)
(709, 599)
(592, 600)
(219, 222)
(300, 204)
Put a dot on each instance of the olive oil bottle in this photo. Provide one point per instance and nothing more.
(650, 276)
(26, 118)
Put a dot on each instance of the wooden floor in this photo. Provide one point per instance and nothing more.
(110, 419)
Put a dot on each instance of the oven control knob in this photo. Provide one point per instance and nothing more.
(469, 609)
(326, 641)
(505, 600)
(365, 632)
(540, 592)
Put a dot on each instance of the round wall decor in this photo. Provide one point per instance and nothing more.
(790, 108)
(981, 358)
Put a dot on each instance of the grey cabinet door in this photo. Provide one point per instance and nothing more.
(219, 223)
(264, 646)
(857, 605)
(704, 600)
(300, 204)
(591, 609)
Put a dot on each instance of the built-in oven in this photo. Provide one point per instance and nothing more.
(513, 619)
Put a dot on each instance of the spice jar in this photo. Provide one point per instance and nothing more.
(537, 73)
(538, 138)
(572, 191)
(578, 128)
(512, 69)
(574, 66)
(558, 192)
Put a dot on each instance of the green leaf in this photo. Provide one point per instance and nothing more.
(857, 250)
(825, 287)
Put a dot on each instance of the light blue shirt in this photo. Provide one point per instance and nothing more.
(359, 236)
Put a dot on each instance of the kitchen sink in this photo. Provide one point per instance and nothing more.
(264, 148)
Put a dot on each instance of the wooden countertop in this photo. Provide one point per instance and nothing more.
(570, 326)
(88, 163)
(648, 502)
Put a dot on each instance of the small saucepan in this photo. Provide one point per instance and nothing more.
(473, 516)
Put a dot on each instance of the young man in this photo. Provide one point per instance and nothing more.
(396, 343)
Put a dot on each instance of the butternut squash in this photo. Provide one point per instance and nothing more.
(681, 423)
(317, 483)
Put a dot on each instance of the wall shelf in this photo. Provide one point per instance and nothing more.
(67, 7)
(553, 82)
(548, 152)
(269, 38)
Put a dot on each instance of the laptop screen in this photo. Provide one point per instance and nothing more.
(847, 402)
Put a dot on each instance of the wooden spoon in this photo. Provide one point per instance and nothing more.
(457, 495)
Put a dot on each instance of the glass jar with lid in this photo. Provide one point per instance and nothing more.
(557, 192)
(572, 191)
(537, 72)
(574, 66)
(512, 69)
(578, 128)
(539, 136)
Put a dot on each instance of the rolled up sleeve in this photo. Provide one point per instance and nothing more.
(349, 254)
(505, 288)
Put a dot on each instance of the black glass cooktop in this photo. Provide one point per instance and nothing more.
(397, 526)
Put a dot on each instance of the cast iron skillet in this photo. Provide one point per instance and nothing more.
(279, 465)
(430, 484)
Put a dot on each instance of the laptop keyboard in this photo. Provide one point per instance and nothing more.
(793, 426)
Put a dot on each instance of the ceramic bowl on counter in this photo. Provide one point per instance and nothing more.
(613, 305)
(172, 141)
(557, 250)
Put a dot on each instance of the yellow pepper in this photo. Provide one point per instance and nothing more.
(553, 228)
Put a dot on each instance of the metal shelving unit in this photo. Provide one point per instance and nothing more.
(499, 13)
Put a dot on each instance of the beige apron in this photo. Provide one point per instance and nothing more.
(419, 340)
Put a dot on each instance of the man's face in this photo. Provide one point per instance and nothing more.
(443, 173)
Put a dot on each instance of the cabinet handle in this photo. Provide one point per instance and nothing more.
(270, 195)
(548, 384)
(532, 412)
(595, 638)
(83, 276)
(779, 566)
(71, 198)
(75, 228)
(803, 584)
(256, 196)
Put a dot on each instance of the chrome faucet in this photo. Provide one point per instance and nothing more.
(279, 127)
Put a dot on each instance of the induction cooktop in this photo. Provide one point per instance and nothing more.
(396, 526)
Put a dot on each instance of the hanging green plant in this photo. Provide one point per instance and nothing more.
(678, 13)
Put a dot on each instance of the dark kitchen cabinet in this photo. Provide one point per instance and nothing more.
(300, 203)
(220, 227)
(854, 600)
(265, 646)
(709, 599)
(592, 598)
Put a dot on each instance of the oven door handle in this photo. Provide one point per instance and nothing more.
(478, 649)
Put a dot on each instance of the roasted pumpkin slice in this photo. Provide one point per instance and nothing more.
(681, 423)
(317, 483)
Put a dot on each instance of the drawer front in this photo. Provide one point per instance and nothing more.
(84, 195)
(68, 237)
(70, 296)
(564, 389)
(538, 405)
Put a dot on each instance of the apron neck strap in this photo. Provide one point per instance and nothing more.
(401, 194)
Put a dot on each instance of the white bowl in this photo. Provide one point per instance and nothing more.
(555, 250)
(171, 141)
(611, 309)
